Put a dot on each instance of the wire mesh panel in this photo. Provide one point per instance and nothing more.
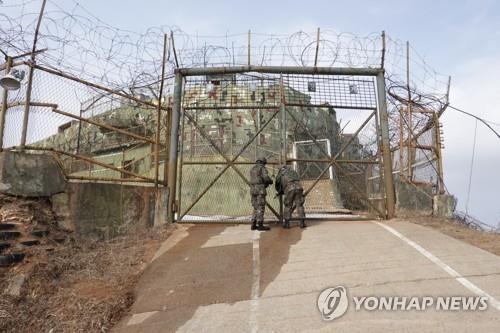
(96, 133)
(323, 126)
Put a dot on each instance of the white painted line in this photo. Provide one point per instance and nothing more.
(466, 283)
(254, 303)
(138, 318)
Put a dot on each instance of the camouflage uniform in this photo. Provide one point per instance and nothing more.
(259, 180)
(288, 183)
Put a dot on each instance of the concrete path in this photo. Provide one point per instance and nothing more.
(210, 278)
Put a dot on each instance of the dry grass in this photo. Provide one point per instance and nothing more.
(83, 286)
(487, 241)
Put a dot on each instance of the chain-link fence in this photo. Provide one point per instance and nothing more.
(326, 127)
(95, 132)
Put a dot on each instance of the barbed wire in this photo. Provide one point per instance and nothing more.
(83, 45)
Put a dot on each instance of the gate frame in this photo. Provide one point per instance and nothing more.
(381, 110)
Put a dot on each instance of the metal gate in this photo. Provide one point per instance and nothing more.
(329, 124)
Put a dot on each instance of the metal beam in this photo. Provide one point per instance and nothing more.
(103, 125)
(385, 145)
(174, 146)
(279, 70)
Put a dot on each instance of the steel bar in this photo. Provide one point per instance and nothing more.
(317, 49)
(5, 98)
(382, 60)
(158, 112)
(112, 180)
(340, 217)
(174, 147)
(439, 158)
(249, 51)
(29, 53)
(333, 106)
(410, 114)
(173, 49)
(329, 160)
(39, 104)
(279, 70)
(181, 160)
(103, 125)
(89, 160)
(224, 162)
(29, 88)
(230, 107)
(385, 145)
(167, 145)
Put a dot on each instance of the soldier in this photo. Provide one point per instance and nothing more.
(288, 183)
(259, 180)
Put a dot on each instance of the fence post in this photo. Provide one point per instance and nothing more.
(30, 79)
(158, 113)
(385, 145)
(5, 97)
(174, 146)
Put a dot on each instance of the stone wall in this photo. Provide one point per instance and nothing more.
(105, 210)
(88, 208)
(30, 175)
(413, 197)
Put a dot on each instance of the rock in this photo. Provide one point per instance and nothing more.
(15, 285)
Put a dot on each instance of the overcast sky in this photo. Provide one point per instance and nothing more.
(459, 38)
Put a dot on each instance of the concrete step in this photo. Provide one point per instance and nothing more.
(7, 226)
(4, 245)
(40, 233)
(9, 234)
(10, 259)
(30, 242)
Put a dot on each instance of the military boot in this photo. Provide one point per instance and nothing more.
(303, 223)
(261, 227)
(286, 224)
(254, 225)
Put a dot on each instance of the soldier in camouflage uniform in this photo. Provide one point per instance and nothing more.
(288, 183)
(259, 180)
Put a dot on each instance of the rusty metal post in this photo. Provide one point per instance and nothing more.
(382, 60)
(385, 145)
(24, 132)
(410, 115)
(181, 162)
(317, 48)
(437, 143)
(5, 98)
(401, 145)
(249, 51)
(29, 88)
(174, 146)
(158, 113)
